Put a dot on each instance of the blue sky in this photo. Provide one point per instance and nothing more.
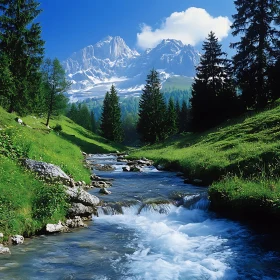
(69, 25)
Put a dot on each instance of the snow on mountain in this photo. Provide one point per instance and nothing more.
(93, 69)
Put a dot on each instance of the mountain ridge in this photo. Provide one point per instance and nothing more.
(94, 68)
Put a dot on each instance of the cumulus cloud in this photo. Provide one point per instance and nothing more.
(190, 26)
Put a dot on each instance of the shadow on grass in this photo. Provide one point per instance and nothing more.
(84, 145)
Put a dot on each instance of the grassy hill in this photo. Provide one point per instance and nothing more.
(26, 203)
(241, 157)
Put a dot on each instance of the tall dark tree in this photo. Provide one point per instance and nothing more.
(55, 85)
(257, 49)
(93, 122)
(172, 124)
(178, 111)
(212, 85)
(184, 118)
(21, 43)
(111, 126)
(152, 111)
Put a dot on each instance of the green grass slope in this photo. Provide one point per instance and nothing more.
(246, 151)
(26, 203)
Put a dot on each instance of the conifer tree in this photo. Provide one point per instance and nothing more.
(178, 111)
(93, 122)
(152, 111)
(212, 86)
(257, 49)
(172, 118)
(184, 118)
(21, 43)
(111, 126)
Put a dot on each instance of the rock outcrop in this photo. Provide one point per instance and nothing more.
(78, 209)
(78, 195)
(17, 239)
(48, 171)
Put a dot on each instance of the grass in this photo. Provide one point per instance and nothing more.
(26, 202)
(247, 148)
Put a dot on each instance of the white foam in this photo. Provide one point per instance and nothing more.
(184, 244)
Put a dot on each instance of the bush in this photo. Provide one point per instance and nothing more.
(57, 128)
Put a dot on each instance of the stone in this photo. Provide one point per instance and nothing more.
(105, 167)
(72, 183)
(78, 195)
(47, 170)
(4, 250)
(1, 235)
(126, 168)
(20, 121)
(160, 167)
(52, 228)
(78, 209)
(136, 168)
(75, 222)
(197, 182)
(17, 239)
(84, 154)
(104, 191)
(101, 184)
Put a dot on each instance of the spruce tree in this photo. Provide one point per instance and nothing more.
(152, 111)
(111, 126)
(212, 86)
(171, 118)
(55, 85)
(21, 43)
(257, 49)
(93, 122)
(184, 118)
(178, 111)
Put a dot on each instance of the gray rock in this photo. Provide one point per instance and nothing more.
(101, 184)
(126, 168)
(51, 228)
(4, 250)
(75, 222)
(78, 209)
(47, 170)
(1, 235)
(105, 167)
(79, 195)
(20, 121)
(136, 168)
(160, 167)
(104, 191)
(17, 239)
(197, 182)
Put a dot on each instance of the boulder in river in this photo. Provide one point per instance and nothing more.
(59, 227)
(17, 239)
(101, 184)
(104, 191)
(78, 209)
(75, 222)
(79, 195)
(104, 167)
(126, 168)
(48, 171)
(4, 250)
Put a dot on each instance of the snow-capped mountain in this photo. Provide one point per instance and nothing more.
(93, 69)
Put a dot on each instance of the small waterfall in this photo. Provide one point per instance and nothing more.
(196, 201)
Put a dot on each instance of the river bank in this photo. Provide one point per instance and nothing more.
(141, 233)
(27, 203)
(238, 160)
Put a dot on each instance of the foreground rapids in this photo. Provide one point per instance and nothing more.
(152, 226)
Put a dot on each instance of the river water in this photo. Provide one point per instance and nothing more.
(146, 231)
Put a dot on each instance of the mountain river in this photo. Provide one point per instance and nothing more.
(152, 226)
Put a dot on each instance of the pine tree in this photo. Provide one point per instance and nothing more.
(184, 118)
(20, 41)
(152, 111)
(73, 112)
(178, 111)
(111, 126)
(55, 86)
(171, 118)
(212, 86)
(257, 49)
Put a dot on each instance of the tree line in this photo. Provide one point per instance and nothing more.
(29, 83)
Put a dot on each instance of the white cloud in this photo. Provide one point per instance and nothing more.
(191, 27)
